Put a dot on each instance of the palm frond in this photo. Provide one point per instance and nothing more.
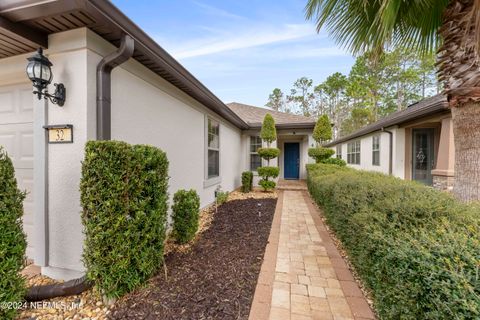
(371, 25)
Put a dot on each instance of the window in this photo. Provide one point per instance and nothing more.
(376, 150)
(213, 149)
(339, 151)
(255, 160)
(353, 152)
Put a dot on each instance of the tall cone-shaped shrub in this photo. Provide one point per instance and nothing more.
(321, 134)
(269, 135)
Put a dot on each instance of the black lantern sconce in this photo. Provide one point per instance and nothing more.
(39, 72)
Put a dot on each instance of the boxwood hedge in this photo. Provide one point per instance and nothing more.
(416, 248)
(185, 209)
(247, 181)
(124, 198)
(12, 238)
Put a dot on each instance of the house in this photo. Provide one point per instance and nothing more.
(413, 144)
(120, 84)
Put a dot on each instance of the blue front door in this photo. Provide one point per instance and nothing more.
(291, 160)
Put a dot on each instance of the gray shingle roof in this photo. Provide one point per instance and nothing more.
(253, 116)
(422, 108)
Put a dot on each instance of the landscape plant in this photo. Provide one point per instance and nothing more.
(247, 181)
(322, 133)
(268, 134)
(124, 199)
(185, 210)
(12, 239)
(416, 248)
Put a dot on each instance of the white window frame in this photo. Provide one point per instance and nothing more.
(253, 152)
(339, 151)
(353, 152)
(375, 148)
(210, 181)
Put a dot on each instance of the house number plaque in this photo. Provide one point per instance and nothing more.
(62, 133)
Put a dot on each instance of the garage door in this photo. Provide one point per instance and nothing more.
(16, 136)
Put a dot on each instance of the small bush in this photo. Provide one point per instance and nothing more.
(247, 181)
(267, 184)
(185, 209)
(12, 239)
(416, 248)
(222, 197)
(124, 199)
(268, 153)
(268, 172)
(320, 153)
(336, 161)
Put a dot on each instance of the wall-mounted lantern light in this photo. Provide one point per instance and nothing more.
(39, 72)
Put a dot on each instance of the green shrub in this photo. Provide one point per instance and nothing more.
(12, 238)
(337, 161)
(247, 181)
(268, 133)
(268, 153)
(222, 197)
(267, 184)
(124, 198)
(323, 130)
(416, 248)
(268, 172)
(320, 154)
(185, 210)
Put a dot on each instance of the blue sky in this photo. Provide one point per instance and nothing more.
(241, 50)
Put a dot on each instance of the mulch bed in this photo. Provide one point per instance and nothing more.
(217, 278)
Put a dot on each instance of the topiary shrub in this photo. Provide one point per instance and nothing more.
(12, 239)
(415, 247)
(320, 154)
(247, 181)
(124, 199)
(185, 209)
(265, 172)
(323, 130)
(336, 161)
(268, 153)
(268, 134)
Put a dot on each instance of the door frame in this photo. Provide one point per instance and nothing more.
(432, 152)
(284, 160)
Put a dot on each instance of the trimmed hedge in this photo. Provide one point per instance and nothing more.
(12, 239)
(320, 153)
(416, 248)
(124, 198)
(337, 161)
(185, 208)
(268, 153)
(247, 181)
(268, 172)
(267, 184)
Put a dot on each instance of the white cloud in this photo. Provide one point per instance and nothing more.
(211, 10)
(247, 38)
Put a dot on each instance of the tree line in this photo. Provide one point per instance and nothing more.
(376, 86)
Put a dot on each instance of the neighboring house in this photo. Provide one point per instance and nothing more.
(149, 98)
(412, 144)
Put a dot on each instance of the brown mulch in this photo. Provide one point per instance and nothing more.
(216, 279)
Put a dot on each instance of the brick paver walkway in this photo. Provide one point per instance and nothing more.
(308, 279)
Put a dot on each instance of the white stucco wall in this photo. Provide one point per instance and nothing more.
(398, 156)
(146, 109)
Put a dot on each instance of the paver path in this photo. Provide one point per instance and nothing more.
(308, 279)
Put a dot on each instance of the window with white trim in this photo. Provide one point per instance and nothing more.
(255, 160)
(213, 149)
(339, 151)
(376, 150)
(353, 152)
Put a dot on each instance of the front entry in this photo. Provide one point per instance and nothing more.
(423, 155)
(291, 161)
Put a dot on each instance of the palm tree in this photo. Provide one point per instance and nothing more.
(452, 27)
